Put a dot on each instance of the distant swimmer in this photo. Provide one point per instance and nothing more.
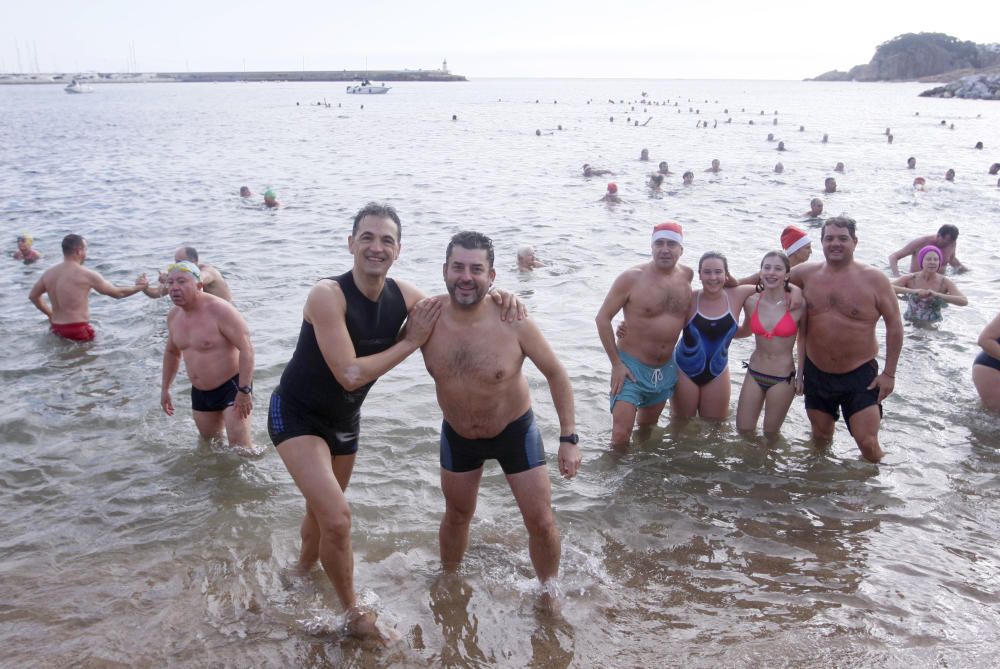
(212, 280)
(245, 191)
(26, 252)
(688, 178)
(839, 167)
(778, 168)
(662, 168)
(802, 128)
(986, 368)
(526, 259)
(612, 194)
(770, 136)
(911, 163)
(949, 175)
(927, 291)
(826, 138)
(716, 166)
(656, 184)
(654, 297)
(589, 171)
(486, 409)
(68, 285)
(815, 208)
(920, 183)
(644, 155)
(844, 302)
(781, 146)
(979, 145)
(270, 199)
(889, 139)
(214, 341)
(830, 185)
(946, 241)
(995, 169)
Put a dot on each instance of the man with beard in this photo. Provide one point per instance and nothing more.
(655, 298)
(212, 337)
(845, 302)
(475, 360)
(68, 285)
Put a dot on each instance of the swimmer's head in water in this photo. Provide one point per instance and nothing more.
(26, 239)
(245, 191)
(269, 194)
(612, 188)
(930, 248)
(995, 168)
(794, 238)
(185, 266)
(669, 230)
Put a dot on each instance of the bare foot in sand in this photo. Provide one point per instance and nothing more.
(364, 624)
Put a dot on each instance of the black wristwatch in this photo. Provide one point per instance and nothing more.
(569, 438)
(247, 390)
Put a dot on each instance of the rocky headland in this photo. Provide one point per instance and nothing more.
(972, 69)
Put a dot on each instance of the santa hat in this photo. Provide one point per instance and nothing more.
(793, 239)
(669, 230)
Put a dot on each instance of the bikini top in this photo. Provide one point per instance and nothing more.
(785, 327)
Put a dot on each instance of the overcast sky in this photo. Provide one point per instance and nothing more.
(780, 39)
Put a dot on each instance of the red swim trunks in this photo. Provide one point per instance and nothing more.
(74, 331)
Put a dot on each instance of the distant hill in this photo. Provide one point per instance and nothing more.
(920, 56)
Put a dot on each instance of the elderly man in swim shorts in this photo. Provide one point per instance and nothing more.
(655, 298)
(68, 285)
(214, 342)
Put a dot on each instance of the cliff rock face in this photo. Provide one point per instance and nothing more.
(915, 55)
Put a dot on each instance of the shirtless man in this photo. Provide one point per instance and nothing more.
(946, 239)
(211, 278)
(845, 301)
(350, 336)
(526, 259)
(475, 360)
(655, 298)
(214, 341)
(716, 166)
(830, 185)
(815, 208)
(68, 285)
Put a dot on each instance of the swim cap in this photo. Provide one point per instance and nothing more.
(793, 238)
(930, 248)
(669, 230)
(612, 188)
(269, 194)
(185, 266)
(26, 238)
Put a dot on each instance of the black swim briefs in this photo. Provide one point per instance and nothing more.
(517, 448)
(216, 399)
(828, 392)
(286, 420)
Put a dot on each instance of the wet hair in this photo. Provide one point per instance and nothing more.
(788, 268)
(841, 222)
(378, 210)
(709, 255)
(71, 243)
(190, 253)
(948, 230)
(470, 240)
(688, 174)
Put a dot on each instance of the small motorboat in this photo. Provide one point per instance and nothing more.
(76, 87)
(368, 88)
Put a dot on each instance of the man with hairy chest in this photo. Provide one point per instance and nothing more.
(475, 360)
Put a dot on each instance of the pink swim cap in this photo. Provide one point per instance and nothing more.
(930, 248)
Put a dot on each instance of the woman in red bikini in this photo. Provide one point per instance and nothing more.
(771, 382)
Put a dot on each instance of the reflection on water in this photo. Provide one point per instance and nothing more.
(127, 541)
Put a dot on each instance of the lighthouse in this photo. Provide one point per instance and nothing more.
(444, 66)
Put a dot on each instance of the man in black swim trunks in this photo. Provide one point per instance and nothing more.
(845, 302)
(214, 341)
(476, 360)
(348, 339)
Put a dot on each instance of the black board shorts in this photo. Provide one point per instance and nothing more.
(849, 392)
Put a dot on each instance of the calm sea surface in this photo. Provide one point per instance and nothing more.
(126, 542)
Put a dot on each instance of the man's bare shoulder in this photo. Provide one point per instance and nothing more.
(871, 275)
(806, 270)
(411, 294)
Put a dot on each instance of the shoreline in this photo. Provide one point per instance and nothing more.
(223, 77)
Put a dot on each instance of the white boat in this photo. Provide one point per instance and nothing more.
(77, 87)
(367, 88)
